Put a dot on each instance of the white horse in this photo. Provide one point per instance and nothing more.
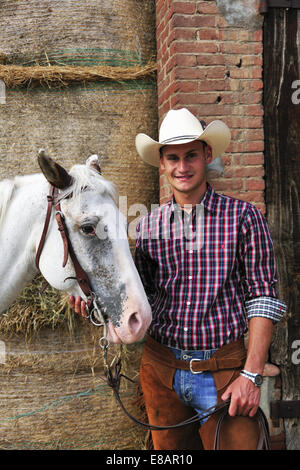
(97, 231)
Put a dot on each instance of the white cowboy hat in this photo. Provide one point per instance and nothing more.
(179, 127)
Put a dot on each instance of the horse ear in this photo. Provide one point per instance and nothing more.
(93, 162)
(53, 172)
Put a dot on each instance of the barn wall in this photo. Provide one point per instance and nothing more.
(210, 61)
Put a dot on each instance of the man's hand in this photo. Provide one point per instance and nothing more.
(244, 397)
(78, 305)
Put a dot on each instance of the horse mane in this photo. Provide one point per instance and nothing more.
(86, 177)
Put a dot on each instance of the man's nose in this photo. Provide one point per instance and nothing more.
(182, 165)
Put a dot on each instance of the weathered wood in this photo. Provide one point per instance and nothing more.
(282, 164)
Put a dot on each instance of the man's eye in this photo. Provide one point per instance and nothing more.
(172, 158)
(88, 229)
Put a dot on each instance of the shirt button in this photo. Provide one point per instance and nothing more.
(191, 251)
(185, 328)
(188, 302)
(190, 277)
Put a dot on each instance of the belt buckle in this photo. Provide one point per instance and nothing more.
(191, 366)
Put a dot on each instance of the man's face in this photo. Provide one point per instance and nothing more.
(185, 166)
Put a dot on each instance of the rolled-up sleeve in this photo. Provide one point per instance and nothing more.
(259, 276)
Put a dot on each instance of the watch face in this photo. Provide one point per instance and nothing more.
(258, 380)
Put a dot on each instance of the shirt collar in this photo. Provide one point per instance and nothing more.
(208, 201)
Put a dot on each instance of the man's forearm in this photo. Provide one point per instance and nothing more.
(260, 336)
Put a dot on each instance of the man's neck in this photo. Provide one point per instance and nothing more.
(187, 201)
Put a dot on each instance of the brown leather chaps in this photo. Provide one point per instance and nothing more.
(164, 407)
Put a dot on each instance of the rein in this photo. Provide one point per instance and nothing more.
(80, 275)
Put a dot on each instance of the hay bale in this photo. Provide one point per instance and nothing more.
(52, 396)
(110, 41)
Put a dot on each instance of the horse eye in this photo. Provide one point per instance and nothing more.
(88, 229)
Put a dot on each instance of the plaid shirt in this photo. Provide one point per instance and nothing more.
(205, 273)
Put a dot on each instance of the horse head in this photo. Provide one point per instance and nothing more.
(98, 235)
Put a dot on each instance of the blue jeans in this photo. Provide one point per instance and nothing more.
(195, 390)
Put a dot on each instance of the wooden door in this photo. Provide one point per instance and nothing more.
(282, 166)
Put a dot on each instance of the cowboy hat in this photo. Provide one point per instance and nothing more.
(179, 127)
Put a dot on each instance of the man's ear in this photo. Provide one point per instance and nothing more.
(208, 154)
(161, 160)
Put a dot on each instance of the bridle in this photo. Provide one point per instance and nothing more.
(113, 371)
(93, 310)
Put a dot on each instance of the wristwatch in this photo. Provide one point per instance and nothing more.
(257, 379)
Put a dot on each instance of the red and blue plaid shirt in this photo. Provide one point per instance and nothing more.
(207, 271)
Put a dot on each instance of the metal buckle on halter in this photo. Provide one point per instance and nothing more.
(103, 341)
(92, 310)
(191, 367)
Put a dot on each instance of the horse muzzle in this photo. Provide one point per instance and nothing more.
(132, 328)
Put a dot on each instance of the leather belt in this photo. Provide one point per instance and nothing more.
(227, 357)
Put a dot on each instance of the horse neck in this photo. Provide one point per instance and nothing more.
(18, 235)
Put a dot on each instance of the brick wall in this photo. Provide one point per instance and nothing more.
(215, 70)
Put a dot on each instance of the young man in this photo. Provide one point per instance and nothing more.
(207, 265)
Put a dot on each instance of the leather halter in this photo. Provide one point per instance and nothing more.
(80, 274)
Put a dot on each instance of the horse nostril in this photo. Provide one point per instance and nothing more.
(134, 322)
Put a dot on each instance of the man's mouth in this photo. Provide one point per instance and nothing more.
(183, 177)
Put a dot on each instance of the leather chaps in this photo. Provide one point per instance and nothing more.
(165, 408)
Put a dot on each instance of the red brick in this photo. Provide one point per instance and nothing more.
(212, 85)
(210, 59)
(251, 196)
(228, 184)
(191, 73)
(193, 47)
(207, 7)
(254, 159)
(210, 111)
(255, 134)
(254, 110)
(193, 21)
(186, 8)
(253, 184)
(163, 36)
(185, 34)
(187, 86)
(254, 171)
(171, 64)
(217, 71)
(185, 60)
